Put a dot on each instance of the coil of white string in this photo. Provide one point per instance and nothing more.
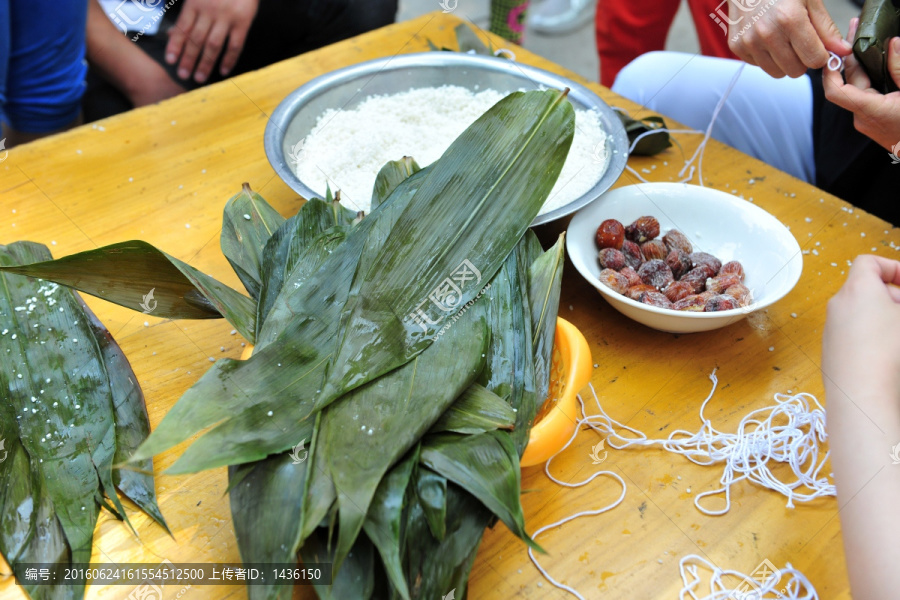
(786, 583)
(788, 432)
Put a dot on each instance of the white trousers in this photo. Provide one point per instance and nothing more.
(769, 119)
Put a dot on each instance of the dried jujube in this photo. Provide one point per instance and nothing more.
(675, 240)
(707, 261)
(634, 292)
(633, 256)
(678, 290)
(614, 280)
(733, 267)
(720, 283)
(667, 272)
(680, 263)
(656, 273)
(610, 234)
(657, 299)
(720, 302)
(632, 276)
(654, 249)
(610, 258)
(643, 229)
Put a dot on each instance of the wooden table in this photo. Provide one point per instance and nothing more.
(163, 174)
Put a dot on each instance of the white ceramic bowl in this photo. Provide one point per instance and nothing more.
(723, 225)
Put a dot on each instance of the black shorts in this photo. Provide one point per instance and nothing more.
(282, 29)
(850, 165)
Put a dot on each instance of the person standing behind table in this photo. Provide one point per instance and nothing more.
(840, 135)
(205, 41)
(627, 29)
(42, 68)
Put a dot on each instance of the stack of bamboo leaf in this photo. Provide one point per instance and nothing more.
(70, 409)
(410, 348)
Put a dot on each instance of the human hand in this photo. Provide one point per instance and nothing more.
(861, 342)
(875, 115)
(788, 37)
(204, 25)
(152, 85)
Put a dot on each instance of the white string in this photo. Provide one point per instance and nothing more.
(835, 62)
(789, 432)
(762, 436)
(701, 149)
(795, 587)
(585, 513)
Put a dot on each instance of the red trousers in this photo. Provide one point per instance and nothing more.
(628, 28)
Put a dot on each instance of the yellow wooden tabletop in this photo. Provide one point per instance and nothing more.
(163, 173)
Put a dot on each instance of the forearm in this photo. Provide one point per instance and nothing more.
(115, 57)
(863, 425)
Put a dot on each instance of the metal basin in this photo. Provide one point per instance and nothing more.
(345, 88)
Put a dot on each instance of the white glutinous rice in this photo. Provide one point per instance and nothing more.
(347, 148)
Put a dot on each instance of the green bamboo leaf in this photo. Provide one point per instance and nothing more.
(322, 293)
(248, 417)
(76, 461)
(132, 422)
(434, 567)
(59, 420)
(510, 368)
(424, 271)
(392, 413)
(487, 466)
(390, 176)
(291, 245)
(477, 410)
(431, 490)
(248, 223)
(46, 543)
(355, 580)
(318, 493)
(138, 276)
(545, 282)
(384, 523)
(266, 508)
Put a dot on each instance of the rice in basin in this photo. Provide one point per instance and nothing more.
(346, 148)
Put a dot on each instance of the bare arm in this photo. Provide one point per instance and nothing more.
(123, 64)
(861, 372)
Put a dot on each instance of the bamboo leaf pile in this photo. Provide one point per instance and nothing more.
(407, 349)
(71, 409)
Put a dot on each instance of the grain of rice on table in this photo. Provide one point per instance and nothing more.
(347, 148)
